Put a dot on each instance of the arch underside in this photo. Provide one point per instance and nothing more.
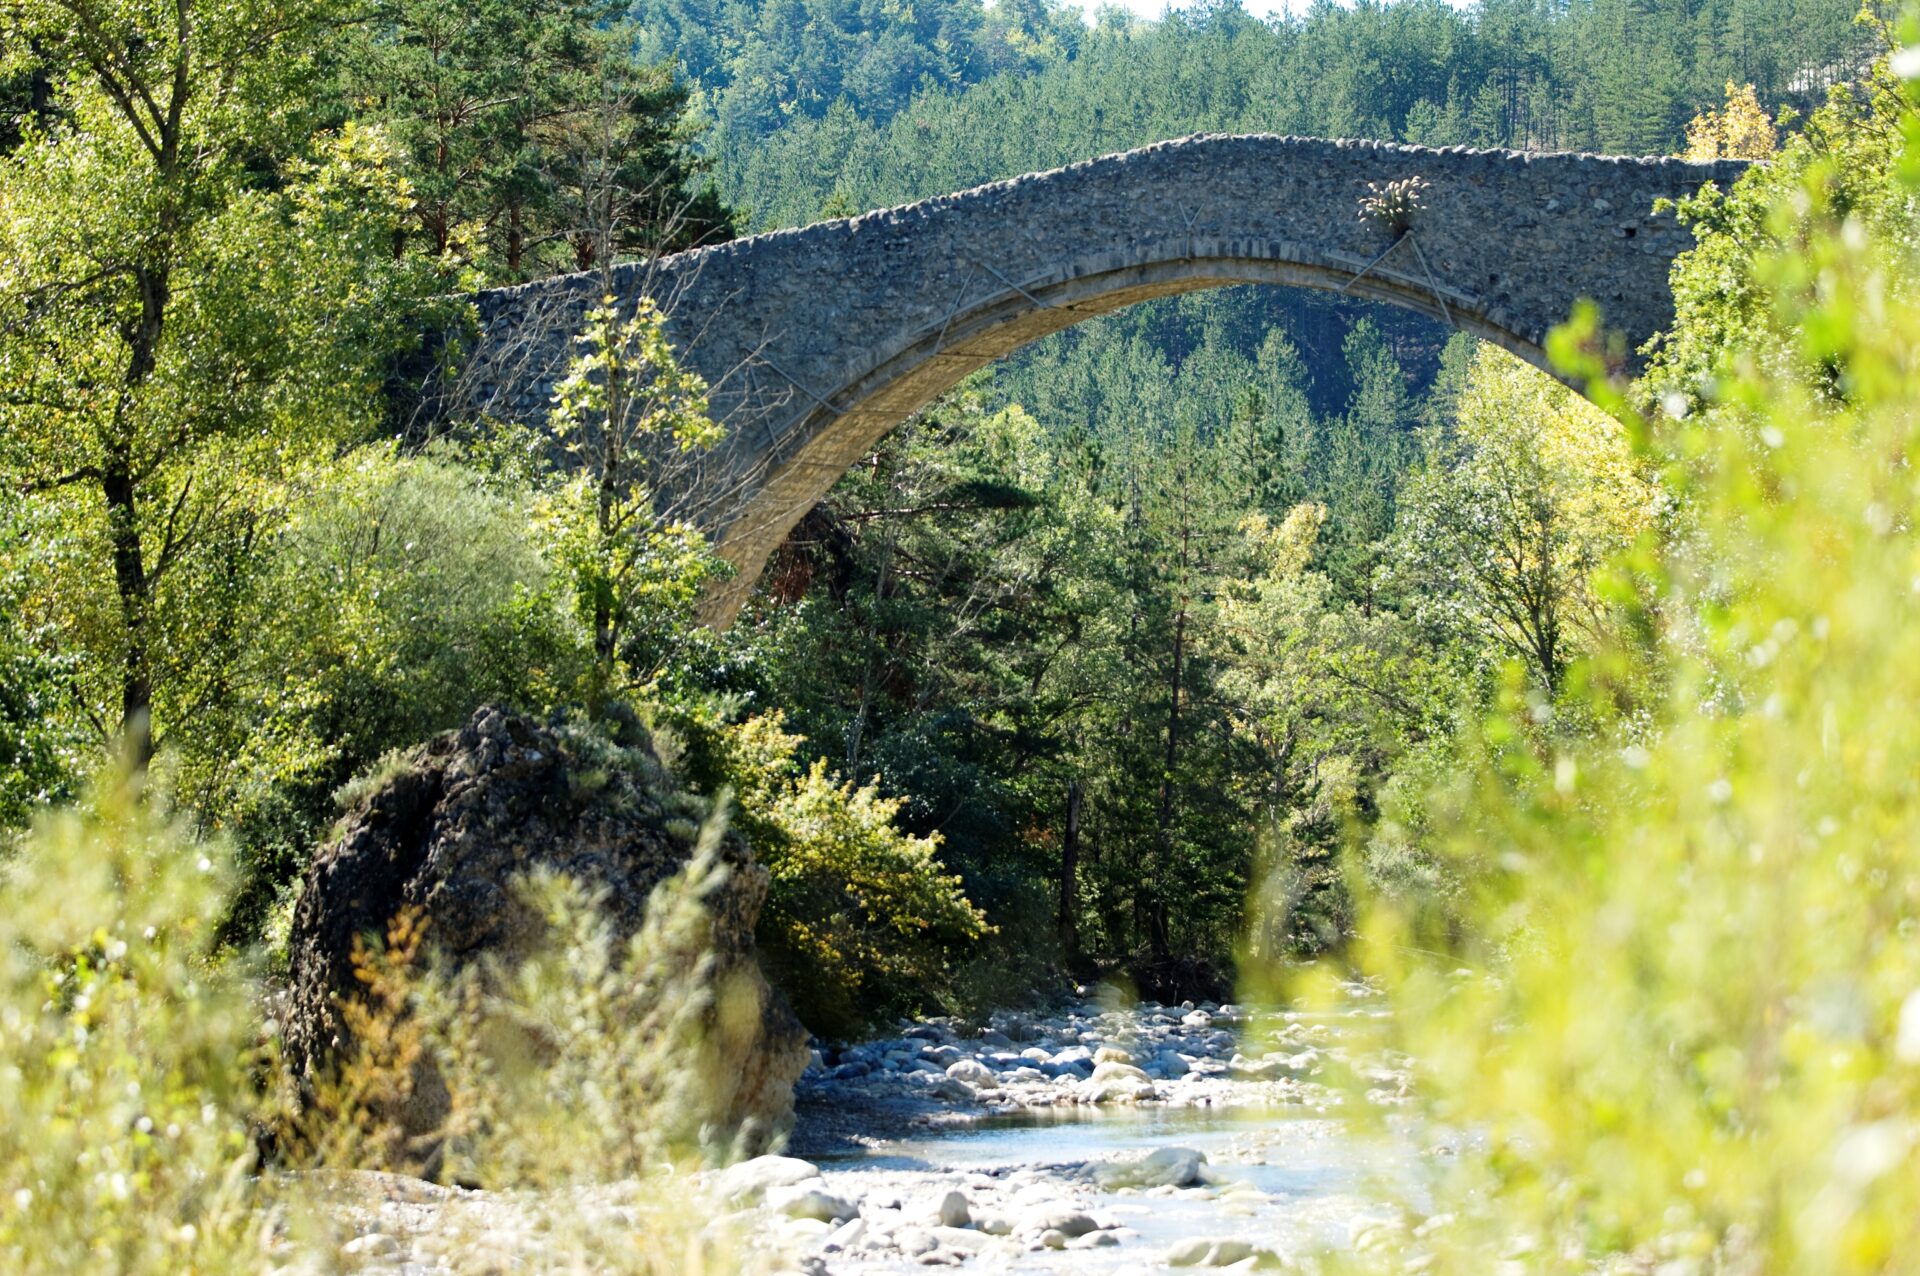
(825, 437)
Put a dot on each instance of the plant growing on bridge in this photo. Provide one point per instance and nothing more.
(1392, 205)
(629, 416)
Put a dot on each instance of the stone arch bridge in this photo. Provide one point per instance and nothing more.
(816, 342)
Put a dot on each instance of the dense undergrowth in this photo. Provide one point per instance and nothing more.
(151, 1129)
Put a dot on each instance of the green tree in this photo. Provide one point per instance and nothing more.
(534, 139)
(1513, 515)
(626, 413)
(399, 592)
(188, 307)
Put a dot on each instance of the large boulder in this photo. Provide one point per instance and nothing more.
(447, 831)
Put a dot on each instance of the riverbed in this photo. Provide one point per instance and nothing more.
(1096, 1139)
(1091, 1140)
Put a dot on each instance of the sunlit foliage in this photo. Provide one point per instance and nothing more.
(1741, 130)
(139, 1078)
(861, 917)
(123, 1055)
(1683, 1033)
(1515, 511)
(626, 414)
(193, 300)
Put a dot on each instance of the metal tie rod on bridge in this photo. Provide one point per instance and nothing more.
(1406, 236)
(1428, 271)
(801, 386)
(1044, 305)
(974, 265)
(1377, 259)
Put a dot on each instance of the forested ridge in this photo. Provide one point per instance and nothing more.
(1240, 645)
(803, 126)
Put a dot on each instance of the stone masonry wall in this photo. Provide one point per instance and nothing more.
(818, 341)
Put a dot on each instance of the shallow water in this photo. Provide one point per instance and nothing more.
(1314, 1180)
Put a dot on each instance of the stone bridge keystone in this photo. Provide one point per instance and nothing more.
(818, 341)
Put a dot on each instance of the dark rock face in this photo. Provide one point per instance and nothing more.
(452, 828)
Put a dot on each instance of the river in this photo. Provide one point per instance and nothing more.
(1092, 1140)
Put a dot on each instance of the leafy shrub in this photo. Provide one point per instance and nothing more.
(40, 745)
(588, 1060)
(123, 1055)
(403, 592)
(137, 1075)
(861, 918)
(1691, 1038)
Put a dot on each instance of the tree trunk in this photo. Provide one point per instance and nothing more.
(120, 492)
(1158, 933)
(1156, 914)
(130, 581)
(1069, 873)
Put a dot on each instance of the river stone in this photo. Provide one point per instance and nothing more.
(1093, 1240)
(847, 1236)
(1172, 1065)
(803, 1232)
(961, 1239)
(950, 1090)
(806, 1201)
(1162, 1167)
(1057, 1217)
(374, 1245)
(1201, 1251)
(974, 1073)
(1111, 1054)
(1118, 1071)
(1257, 1069)
(1115, 1090)
(749, 1181)
(954, 1211)
(448, 830)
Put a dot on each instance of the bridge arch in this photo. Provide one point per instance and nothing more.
(818, 341)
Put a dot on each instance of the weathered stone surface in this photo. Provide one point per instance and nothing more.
(818, 341)
(1163, 1167)
(449, 831)
(747, 1182)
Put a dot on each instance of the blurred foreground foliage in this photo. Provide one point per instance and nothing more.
(140, 1084)
(1680, 1028)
